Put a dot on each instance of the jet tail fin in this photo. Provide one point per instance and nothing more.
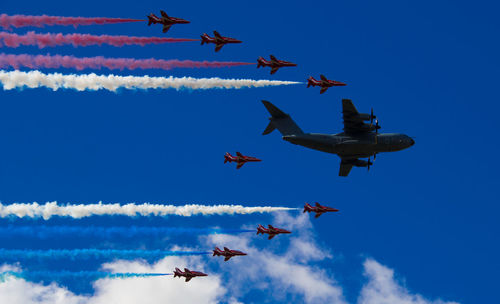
(204, 38)
(310, 81)
(150, 20)
(259, 62)
(281, 121)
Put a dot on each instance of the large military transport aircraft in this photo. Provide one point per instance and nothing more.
(359, 139)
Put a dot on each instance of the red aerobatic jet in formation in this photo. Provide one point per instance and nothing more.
(318, 209)
(188, 274)
(271, 231)
(274, 63)
(240, 159)
(227, 253)
(218, 40)
(165, 20)
(324, 83)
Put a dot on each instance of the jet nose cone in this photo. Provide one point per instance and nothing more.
(412, 142)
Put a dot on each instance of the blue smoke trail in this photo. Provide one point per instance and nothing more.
(45, 232)
(16, 254)
(57, 275)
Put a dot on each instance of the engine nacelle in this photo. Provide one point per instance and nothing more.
(365, 116)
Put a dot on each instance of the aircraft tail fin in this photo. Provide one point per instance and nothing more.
(150, 20)
(281, 121)
(307, 208)
(227, 157)
(259, 231)
(260, 62)
(204, 38)
(310, 81)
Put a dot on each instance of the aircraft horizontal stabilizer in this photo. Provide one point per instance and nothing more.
(270, 127)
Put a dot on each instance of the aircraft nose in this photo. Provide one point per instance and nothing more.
(412, 142)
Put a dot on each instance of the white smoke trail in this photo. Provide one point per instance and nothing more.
(36, 79)
(50, 209)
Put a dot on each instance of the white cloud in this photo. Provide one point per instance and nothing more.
(382, 288)
(154, 290)
(18, 291)
(281, 271)
(282, 275)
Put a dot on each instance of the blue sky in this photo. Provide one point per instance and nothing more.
(429, 70)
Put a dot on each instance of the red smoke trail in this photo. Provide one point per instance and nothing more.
(7, 21)
(58, 61)
(45, 40)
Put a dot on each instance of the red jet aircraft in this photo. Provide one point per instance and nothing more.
(227, 253)
(318, 209)
(165, 20)
(274, 63)
(218, 40)
(324, 83)
(271, 231)
(240, 159)
(188, 274)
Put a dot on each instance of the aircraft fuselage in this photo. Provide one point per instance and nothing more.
(346, 145)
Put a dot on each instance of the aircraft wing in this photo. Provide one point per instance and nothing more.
(166, 27)
(344, 170)
(353, 122)
(273, 59)
(318, 214)
(274, 70)
(218, 47)
(227, 258)
(323, 90)
(323, 77)
(239, 165)
(271, 236)
(188, 279)
(217, 35)
(163, 14)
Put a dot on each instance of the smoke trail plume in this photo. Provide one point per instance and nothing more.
(7, 21)
(57, 275)
(50, 40)
(50, 209)
(58, 61)
(16, 254)
(93, 82)
(50, 232)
